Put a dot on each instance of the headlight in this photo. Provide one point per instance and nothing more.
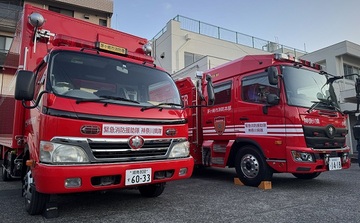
(180, 150)
(302, 157)
(61, 153)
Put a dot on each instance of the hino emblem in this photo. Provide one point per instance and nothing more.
(330, 131)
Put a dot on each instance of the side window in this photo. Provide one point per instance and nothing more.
(62, 11)
(255, 88)
(222, 93)
(102, 22)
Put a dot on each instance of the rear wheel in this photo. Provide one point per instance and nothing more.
(251, 166)
(306, 176)
(34, 201)
(152, 190)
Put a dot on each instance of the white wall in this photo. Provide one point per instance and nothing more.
(174, 42)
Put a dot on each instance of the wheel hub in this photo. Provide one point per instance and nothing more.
(250, 166)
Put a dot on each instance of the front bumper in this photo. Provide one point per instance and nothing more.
(50, 179)
(290, 165)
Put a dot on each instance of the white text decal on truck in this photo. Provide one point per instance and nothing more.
(256, 128)
(109, 129)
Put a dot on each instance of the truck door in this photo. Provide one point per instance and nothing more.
(218, 125)
(257, 121)
(218, 119)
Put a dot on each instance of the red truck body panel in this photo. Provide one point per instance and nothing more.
(107, 130)
(276, 130)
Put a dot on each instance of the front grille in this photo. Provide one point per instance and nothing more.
(121, 150)
(317, 138)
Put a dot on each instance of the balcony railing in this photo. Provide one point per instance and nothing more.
(9, 16)
(232, 36)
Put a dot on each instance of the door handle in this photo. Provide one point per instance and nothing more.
(209, 122)
(244, 118)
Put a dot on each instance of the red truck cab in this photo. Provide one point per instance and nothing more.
(272, 113)
(92, 112)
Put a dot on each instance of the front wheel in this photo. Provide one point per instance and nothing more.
(152, 190)
(306, 176)
(34, 201)
(251, 166)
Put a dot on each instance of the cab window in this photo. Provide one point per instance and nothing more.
(222, 93)
(255, 88)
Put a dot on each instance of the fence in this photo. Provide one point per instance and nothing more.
(229, 35)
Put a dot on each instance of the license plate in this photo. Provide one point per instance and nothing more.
(335, 163)
(138, 176)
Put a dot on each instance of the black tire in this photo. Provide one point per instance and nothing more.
(207, 157)
(5, 175)
(34, 201)
(152, 190)
(306, 176)
(251, 166)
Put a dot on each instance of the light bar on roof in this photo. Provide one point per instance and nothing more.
(291, 58)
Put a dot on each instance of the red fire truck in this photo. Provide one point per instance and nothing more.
(89, 111)
(272, 114)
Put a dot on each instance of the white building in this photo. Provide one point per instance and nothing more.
(185, 46)
(97, 12)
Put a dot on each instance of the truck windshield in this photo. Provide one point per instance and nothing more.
(305, 88)
(96, 78)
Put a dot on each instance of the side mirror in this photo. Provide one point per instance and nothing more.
(25, 85)
(272, 99)
(210, 90)
(357, 86)
(273, 75)
(356, 129)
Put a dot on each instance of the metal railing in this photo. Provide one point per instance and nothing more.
(231, 36)
(9, 16)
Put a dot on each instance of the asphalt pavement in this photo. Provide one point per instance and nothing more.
(210, 195)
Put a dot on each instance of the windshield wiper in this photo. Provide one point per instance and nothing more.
(159, 106)
(328, 103)
(313, 106)
(105, 97)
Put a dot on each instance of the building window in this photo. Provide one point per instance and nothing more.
(222, 93)
(191, 58)
(348, 69)
(62, 11)
(102, 22)
(5, 43)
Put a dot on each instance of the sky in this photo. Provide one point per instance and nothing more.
(307, 25)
